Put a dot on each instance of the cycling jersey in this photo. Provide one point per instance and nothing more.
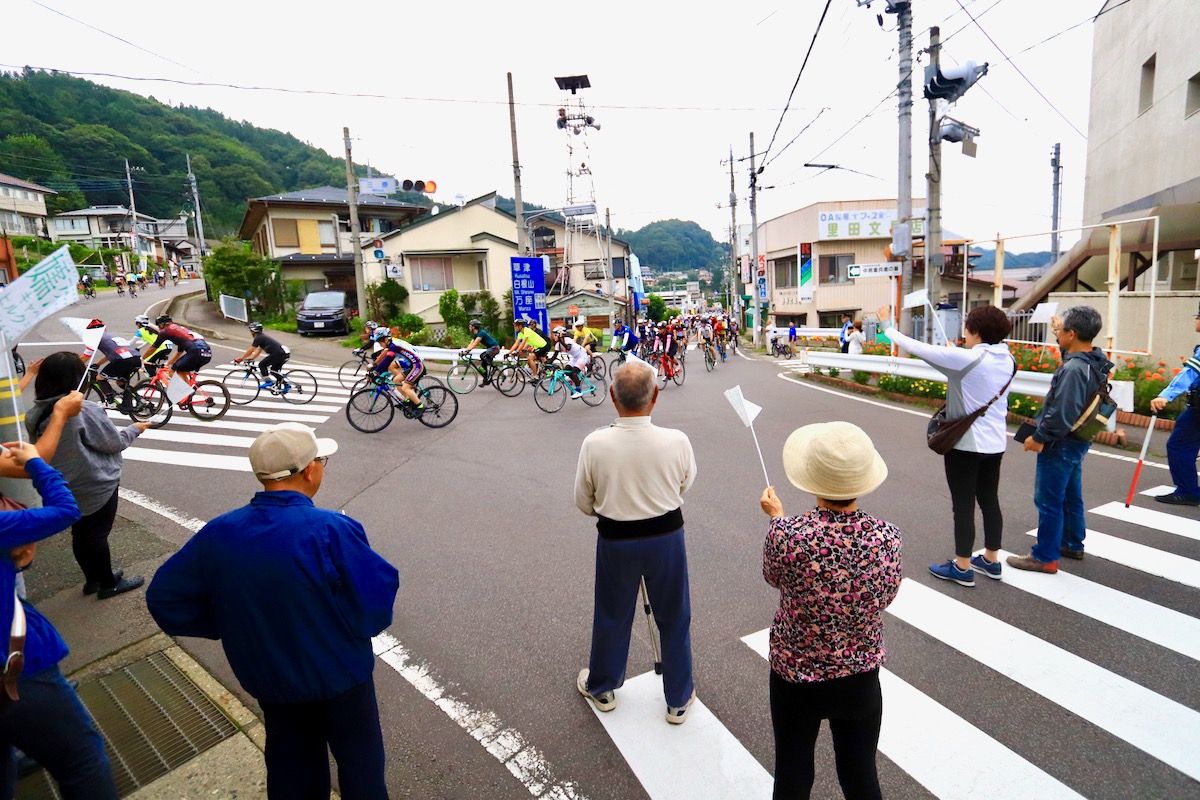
(486, 339)
(182, 338)
(585, 335)
(576, 355)
(625, 339)
(111, 349)
(532, 338)
(269, 345)
(706, 332)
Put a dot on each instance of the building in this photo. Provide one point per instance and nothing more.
(805, 258)
(23, 207)
(1143, 160)
(308, 232)
(108, 227)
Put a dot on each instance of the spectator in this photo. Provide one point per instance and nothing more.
(1058, 485)
(974, 376)
(88, 454)
(856, 339)
(41, 713)
(631, 477)
(792, 333)
(295, 594)
(1184, 443)
(825, 652)
(844, 336)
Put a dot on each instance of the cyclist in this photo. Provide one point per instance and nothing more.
(174, 274)
(624, 340)
(144, 336)
(119, 363)
(586, 337)
(398, 358)
(490, 345)
(119, 282)
(665, 342)
(530, 340)
(191, 351)
(577, 359)
(707, 335)
(161, 277)
(133, 286)
(277, 355)
(85, 281)
(681, 337)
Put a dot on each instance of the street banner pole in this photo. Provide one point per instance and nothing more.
(1137, 471)
(9, 386)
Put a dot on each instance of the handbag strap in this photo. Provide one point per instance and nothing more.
(979, 412)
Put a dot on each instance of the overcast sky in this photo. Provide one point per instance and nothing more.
(674, 85)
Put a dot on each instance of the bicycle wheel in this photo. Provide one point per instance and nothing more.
(246, 382)
(599, 391)
(370, 410)
(709, 363)
(299, 386)
(462, 378)
(509, 381)
(209, 402)
(441, 407)
(94, 395)
(597, 367)
(150, 404)
(788, 352)
(350, 372)
(550, 394)
(680, 374)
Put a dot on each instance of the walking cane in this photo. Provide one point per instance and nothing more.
(1138, 470)
(652, 629)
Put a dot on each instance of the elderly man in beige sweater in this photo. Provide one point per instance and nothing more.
(631, 477)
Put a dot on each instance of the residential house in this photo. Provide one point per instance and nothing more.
(308, 232)
(1143, 161)
(23, 207)
(107, 227)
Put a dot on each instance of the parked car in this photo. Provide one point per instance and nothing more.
(323, 312)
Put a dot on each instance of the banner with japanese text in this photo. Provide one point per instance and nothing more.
(875, 223)
(529, 289)
(48, 287)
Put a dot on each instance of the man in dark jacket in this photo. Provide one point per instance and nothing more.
(295, 593)
(1058, 486)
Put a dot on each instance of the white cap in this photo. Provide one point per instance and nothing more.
(283, 450)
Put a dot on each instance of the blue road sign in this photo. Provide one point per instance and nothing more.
(529, 289)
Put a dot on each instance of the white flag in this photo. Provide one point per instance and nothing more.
(47, 287)
(79, 326)
(746, 410)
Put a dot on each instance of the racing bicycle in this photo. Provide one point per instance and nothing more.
(295, 386)
(466, 374)
(551, 393)
(372, 408)
(208, 401)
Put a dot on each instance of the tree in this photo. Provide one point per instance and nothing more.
(451, 311)
(233, 269)
(489, 312)
(385, 300)
(657, 309)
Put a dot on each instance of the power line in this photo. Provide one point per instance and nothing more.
(792, 93)
(113, 36)
(783, 149)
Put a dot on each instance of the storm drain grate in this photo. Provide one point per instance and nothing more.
(153, 719)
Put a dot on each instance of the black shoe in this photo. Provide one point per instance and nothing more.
(1074, 555)
(94, 586)
(1176, 499)
(123, 585)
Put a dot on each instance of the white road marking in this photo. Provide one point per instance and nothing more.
(1149, 518)
(277, 416)
(699, 758)
(943, 752)
(1163, 626)
(1158, 491)
(1140, 557)
(506, 745)
(183, 459)
(1157, 725)
(167, 434)
(188, 419)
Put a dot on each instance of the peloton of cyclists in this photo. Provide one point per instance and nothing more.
(531, 342)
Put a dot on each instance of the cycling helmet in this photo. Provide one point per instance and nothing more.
(163, 319)
(141, 319)
(370, 325)
(519, 321)
(560, 329)
(474, 324)
(255, 327)
(95, 323)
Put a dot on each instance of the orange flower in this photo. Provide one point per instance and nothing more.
(1176, 371)
(1160, 370)
(1162, 363)
(1148, 375)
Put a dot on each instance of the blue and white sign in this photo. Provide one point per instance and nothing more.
(382, 187)
(762, 288)
(529, 289)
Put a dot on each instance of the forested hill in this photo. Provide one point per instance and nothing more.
(676, 245)
(74, 136)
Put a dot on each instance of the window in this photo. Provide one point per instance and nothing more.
(836, 269)
(1193, 96)
(786, 274)
(431, 274)
(481, 273)
(543, 239)
(1146, 95)
(833, 319)
(325, 229)
(286, 232)
(70, 224)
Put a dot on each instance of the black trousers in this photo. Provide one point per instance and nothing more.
(854, 707)
(89, 543)
(272, 363)
(974, 478)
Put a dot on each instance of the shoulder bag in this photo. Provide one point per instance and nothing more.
(943, 433)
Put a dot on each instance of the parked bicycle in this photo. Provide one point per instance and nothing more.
(467, 373)
(550, 394)
(781, 349)
(295, 386)
(208, 401)
(372, 408)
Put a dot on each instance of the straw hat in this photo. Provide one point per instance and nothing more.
(833, 460)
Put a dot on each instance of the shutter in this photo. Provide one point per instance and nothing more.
(309, 235)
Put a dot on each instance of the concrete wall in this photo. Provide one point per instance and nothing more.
(1170, 340)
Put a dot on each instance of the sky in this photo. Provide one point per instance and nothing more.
(675, 86)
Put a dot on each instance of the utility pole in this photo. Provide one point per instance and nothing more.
(756, 317)
(135, 239)
(612, 300)
(522, 242)
(933, 235)
(360, 284)
(196, 205)
(1056, 170)
(733, 240)
(904, 185)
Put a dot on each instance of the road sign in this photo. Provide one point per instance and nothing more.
(888, 269)
(379, 255)
(573, 310)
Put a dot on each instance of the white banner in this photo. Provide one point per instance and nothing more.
(48, 287)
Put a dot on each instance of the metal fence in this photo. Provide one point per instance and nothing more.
(234, 308)
(1025, 331)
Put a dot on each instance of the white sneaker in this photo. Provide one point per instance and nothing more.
(605, 701)
(576, 395)
(677, 715)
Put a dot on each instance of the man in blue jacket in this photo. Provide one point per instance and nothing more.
(1184, 443)
(295, 594)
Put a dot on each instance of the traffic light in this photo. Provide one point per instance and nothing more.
(951, 83)
(428, 187)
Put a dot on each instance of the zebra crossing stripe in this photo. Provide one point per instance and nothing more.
(1140, 557)
(276, 416)
(188, 419)
(1158, 491)
(1157, 725)
(930, 742)
(1163, 626)
(1149, 518)
(188, 437)
(181, 458)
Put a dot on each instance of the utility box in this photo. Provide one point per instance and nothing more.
(948, 320)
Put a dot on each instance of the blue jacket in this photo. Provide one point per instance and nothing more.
(294, 592)
(1185, 380)
(43, 646)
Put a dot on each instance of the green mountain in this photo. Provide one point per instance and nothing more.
(1012, 260)
(74, 137)
(676, 245)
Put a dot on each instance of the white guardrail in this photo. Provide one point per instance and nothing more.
(1035, 384)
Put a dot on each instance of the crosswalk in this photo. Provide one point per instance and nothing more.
(223, 444)
(956, 758)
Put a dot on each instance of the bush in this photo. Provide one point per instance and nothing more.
(286, 326)
(862, 377)
(834, 372)
(385, 299)
(409, 325)
(356, 328)
(456, 338)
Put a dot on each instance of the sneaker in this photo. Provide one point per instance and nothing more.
(575, 395)
(1177, 499)
(123, 585)
(266, 384)
(605, 701)
(950, 572)
(1031, 564)
(677, 715)
(985, 567)
(1074, 555)
(94, 586)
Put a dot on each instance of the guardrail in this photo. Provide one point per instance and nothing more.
(1035, 384)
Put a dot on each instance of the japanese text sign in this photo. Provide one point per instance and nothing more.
(44, 289)
(865, 224)
(529, 289)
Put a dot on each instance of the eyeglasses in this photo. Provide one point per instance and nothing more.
(322, 460)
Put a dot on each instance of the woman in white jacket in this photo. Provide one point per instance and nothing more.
(974, 375)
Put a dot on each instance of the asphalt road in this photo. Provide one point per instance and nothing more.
(493, 617)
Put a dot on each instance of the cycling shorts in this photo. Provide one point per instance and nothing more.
(122, 368)
(542, 352)
(192, 360)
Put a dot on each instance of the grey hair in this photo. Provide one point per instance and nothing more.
(1084, 321)
(634, 385)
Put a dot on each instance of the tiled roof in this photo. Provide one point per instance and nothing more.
(335, 196)
(9, 180)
